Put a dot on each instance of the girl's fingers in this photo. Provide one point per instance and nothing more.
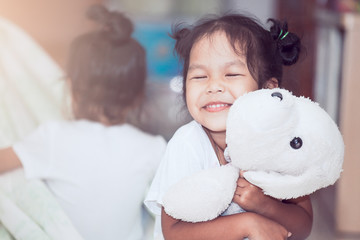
(242, 183)
(242, 173)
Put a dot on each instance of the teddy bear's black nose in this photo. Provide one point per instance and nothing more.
(277, 94)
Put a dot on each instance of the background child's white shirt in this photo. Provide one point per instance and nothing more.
(98, 174)
(188, 151)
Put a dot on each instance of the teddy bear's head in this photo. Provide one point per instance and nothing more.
(288, 146)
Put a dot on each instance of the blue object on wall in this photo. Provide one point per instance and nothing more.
(162, 63)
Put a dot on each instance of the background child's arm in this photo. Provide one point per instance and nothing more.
(237, 226)
(8, 160)
(295, 214)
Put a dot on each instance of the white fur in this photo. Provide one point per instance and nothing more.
(265, 153)
(260, 128)
(202, 196)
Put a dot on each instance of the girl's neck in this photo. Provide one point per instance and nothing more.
(218, 142)
(219, 139)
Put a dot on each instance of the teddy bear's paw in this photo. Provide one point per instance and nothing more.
(202, 196)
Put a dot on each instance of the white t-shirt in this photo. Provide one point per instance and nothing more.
(187, 152)
(98, 174)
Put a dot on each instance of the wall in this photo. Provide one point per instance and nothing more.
(53, 24)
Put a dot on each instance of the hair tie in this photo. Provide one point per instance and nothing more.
(282, 37)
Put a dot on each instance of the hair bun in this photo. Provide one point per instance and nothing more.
(180, 34)
(288, 43)
(115, 22)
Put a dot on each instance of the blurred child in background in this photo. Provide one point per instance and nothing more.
(97, 166)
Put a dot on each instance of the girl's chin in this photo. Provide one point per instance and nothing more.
(215, 127)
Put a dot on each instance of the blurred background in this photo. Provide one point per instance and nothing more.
(328, 72)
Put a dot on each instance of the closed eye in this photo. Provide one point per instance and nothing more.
(233, 75)
(199, 77)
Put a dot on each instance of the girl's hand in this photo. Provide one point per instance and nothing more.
(262, 228)
(294, 214)
(250, 197)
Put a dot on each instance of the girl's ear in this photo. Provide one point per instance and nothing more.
(271, 83)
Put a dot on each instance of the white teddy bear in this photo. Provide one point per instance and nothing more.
(287, 145)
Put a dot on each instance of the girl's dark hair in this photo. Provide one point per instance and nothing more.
(107, 68)
(265, 51)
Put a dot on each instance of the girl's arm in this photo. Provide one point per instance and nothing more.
(295, 214)
(8, 160)
(237, 227)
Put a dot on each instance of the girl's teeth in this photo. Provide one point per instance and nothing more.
(217, 105)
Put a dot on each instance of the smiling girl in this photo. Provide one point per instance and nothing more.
(224, 58)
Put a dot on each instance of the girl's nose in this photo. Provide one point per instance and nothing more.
(215, 86)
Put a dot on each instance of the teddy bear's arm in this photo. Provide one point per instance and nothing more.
(203, 196)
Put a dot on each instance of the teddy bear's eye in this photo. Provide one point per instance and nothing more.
(296, 143)
(277, 94)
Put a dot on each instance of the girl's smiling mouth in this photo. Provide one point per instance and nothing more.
(216, 106)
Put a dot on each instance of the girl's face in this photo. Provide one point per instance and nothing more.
(216, 77)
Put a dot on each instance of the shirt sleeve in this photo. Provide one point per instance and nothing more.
(188, 152)
(34, 152)
(180, 160)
